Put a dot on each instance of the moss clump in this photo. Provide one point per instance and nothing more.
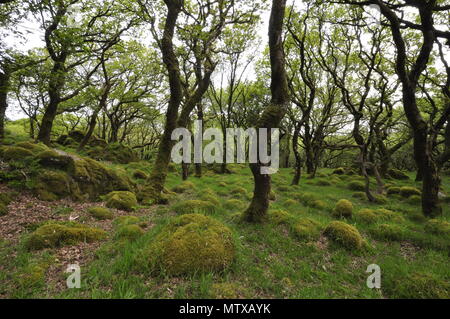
(417, 285)
(3, 209)
(129, 232)
(397, 174)
(100, 213)
(323, 182)
(194, 206)
(33, 147)
(339, 171)
(183, 187)
(306, 198)
(225, 291)
(307, 229)
(210, 198)
(380, 199)
(238, 191)
(233, 204)
(343, 208)
(284, 188)
(387, 232)
(393, 190)
(318, 204)
(407, 191)
(192, 243)
(61, 234)
(140, 174)
(14, 153)
(121, 200)
(356, 186)
(370, 216)
(31, 276)
(126, 220)
(5, 198)
(360, 195)
(438, 227)
(280, 217)
(415, 200)
(290, 202)
(344, 235)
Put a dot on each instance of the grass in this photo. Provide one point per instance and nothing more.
(271, 262)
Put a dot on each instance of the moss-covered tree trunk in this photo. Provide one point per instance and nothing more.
(298, 160)
(159, 172)
(5, 76)
(273, 114)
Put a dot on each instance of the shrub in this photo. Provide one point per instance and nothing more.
(343, 208)
(129, 232)
(191, 243)
(356, 186)
(344, 235)
(407, 191)
(307, 229)
(121, 200)
(194, 206)
(417, 285)
(397, 174)
(100, 213)
(53, 234)
(140, 174)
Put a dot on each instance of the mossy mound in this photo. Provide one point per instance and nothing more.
(407, 191)
(126, 220)
(100, 213)
(380, 199)
(36, 148)
(306, 198)
(360, 195)
(121, 200)
(415, 200)
(438, 227)
(53, 234)
(394, 190)
(279, 217)
(234, 204)
(417, 285)
(209, 198)
(183, 187)
(118, 153)
(339, 171)
(370, 216)
(53, 185)
(356, 186)
(397, 174)
(284, 188)
(192, 243)
(129, 232)
(140, 174)
(343, 209)
(387, 232)
(344, 235)
(318, 204)
(194, 206)
(323, 182)
(238, 192)
(307, 229)
(15, 153)
(290, 202)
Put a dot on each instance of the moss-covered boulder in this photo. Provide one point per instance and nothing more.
(192, 243)
(356, 186)
(307, 229)
(36, 148)
(345, 235)
(407, 191)
(15, 153)
(343, 209)
(100, 213)
(53, 185)
(54, 234)
(122, 200)
(194, 206)
(51, 159)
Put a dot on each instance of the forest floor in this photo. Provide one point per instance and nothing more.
(271, 261)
